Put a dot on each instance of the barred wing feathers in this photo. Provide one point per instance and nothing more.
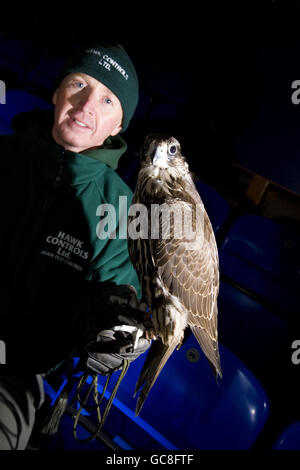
(192, 274)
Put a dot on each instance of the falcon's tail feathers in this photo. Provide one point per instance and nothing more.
(210, 349)
(157, 357)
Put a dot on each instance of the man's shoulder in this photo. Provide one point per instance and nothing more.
(110, 183)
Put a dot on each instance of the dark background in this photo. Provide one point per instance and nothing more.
(211, 48)
(205, 60)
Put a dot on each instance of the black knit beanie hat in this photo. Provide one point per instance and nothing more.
(111, 65)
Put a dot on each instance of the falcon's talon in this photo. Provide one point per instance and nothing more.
(140, 330)
(137, 331)
(151, 335)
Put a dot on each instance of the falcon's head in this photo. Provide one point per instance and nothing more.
(162, 153)
(164, 171)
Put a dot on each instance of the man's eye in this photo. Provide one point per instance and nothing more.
(107, 100)
(78, 84)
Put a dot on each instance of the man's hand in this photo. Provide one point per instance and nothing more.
(114, 328)
(111, 348)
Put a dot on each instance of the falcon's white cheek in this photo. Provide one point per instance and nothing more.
(160, 158)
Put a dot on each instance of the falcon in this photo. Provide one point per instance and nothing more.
(176, 259)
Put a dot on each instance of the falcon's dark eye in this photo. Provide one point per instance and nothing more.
(172, 149)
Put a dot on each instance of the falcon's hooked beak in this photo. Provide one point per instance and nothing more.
(160, 158)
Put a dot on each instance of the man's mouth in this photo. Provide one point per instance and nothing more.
(79, 123)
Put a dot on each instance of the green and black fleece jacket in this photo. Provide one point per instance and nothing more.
(52, 244)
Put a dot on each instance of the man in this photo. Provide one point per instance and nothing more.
(60, 261)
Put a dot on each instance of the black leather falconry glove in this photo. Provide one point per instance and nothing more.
(113, 322)
(122, 340)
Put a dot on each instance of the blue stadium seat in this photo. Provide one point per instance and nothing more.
(44, 74)
(289, 439)
(18, 56)
(216, 206)
(18, 101)
(263, 256)
(257, 335)
(186, 409)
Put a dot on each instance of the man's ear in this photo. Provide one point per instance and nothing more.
(54, 97)
(117, 129)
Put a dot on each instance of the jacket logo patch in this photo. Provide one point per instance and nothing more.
(66, 248)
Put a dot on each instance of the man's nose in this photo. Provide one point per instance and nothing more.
(87, 101)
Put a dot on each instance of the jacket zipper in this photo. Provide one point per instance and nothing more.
(60, 170)
(57, 180)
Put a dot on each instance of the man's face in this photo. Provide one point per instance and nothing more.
(86, 113)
